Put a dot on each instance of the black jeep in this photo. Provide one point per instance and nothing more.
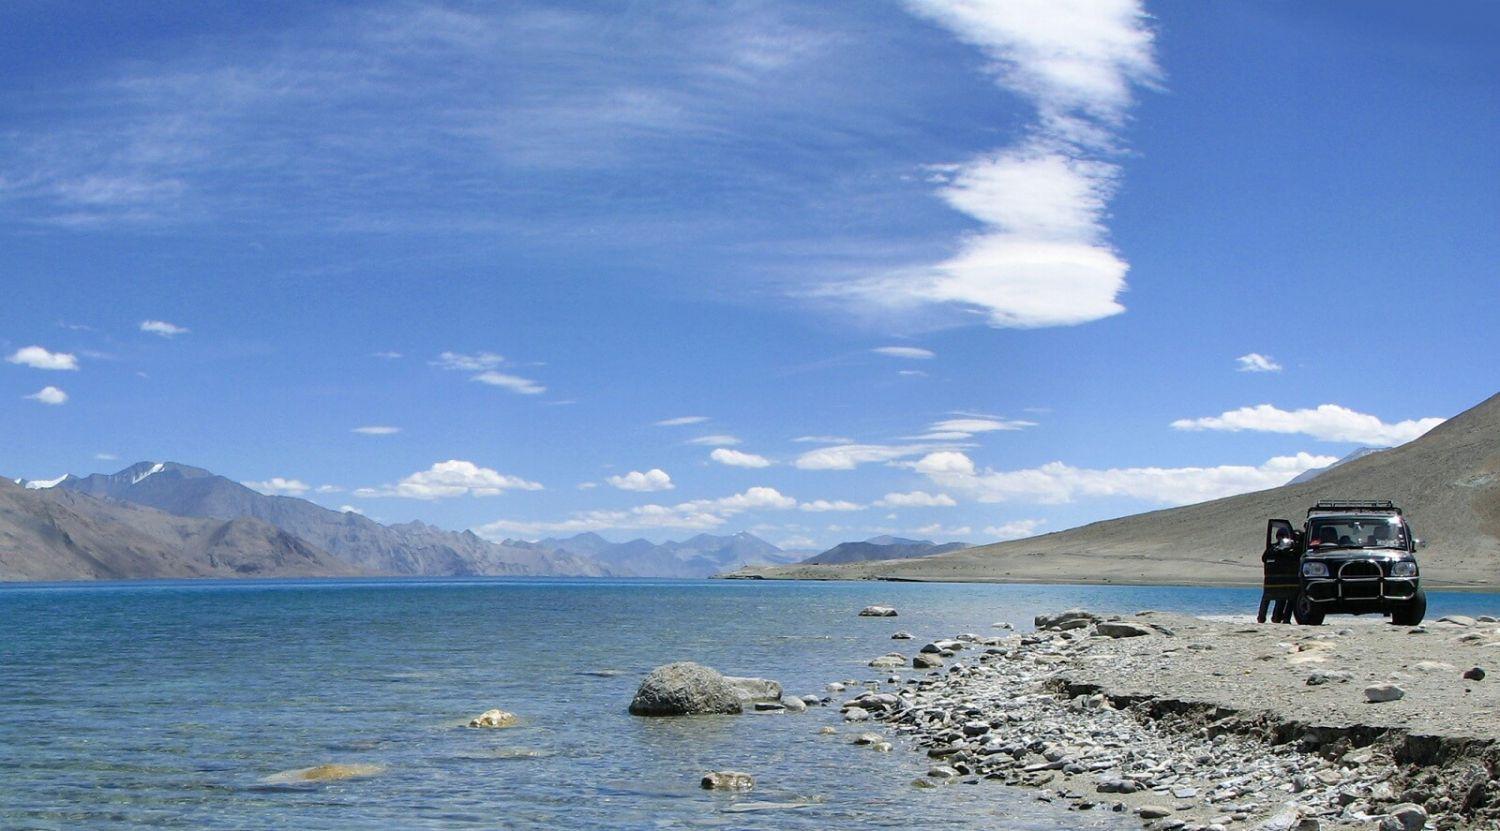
(1357, 557)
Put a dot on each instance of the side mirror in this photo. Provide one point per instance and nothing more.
(1421, 543)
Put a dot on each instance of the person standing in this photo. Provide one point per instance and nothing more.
(1279, 583)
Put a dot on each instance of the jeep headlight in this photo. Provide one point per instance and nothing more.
(1314, 569)
(1404, 568)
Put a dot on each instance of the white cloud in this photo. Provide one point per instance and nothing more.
(1015, 530)
(278, 486)
(1328, 422)
(377, 430)
(912, 352)
(911, 373)
(1041, 256)
(38, 358)
(823, 440)
(654, 479)
(1256, 362)
(106, 457)
(818, 506)
(1057, 482)
(454, 477)
(466, 363)
(350, 509)
(850, 456)
(163, 328)
(916, 499)
(698, 514)
(720, 440)
(329, 489)
(49, 395)
(735, 458)
(514, 383)
(681, 421)
(387, 355)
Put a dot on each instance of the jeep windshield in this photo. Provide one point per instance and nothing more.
(1329, 532)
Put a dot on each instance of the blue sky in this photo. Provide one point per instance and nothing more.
(959, 270)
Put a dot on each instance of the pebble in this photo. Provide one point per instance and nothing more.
(1153, 811)
(1474, 674)
(1405, 817)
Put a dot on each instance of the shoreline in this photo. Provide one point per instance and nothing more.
(1208, 724)
(1062, 580)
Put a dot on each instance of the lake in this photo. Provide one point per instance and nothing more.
(175, 704)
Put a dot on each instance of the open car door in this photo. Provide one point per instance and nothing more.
(1279, 529)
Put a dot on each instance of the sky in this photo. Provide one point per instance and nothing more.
(953, 269)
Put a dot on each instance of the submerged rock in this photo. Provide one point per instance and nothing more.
(727, 780)
(324, 773)
(685, 689)
(753, 690)
(494, 719)
(877, 611)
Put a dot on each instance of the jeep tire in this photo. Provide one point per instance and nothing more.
(1412, 611)
(1305, 612)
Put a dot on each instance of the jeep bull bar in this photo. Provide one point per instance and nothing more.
(1356, 581)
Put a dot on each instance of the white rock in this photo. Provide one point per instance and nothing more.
(1377, 693)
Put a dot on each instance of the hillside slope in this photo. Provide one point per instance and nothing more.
(881, 548)
(1448, 482)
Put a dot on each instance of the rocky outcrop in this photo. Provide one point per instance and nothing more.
(686, 689)
(494, 719)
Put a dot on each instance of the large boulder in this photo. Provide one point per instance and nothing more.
(728, 780)
(685, 689)
(877, 611)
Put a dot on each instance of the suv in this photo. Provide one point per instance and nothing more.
(1356, 557)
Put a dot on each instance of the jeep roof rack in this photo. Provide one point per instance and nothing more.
(1354, 505)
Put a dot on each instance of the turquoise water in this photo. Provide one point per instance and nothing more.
(171, 704)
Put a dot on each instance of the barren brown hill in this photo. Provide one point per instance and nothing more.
(56, 534)
(1447, 481)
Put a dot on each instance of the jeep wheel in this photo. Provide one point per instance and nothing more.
(1305, 612)
(1411, 612)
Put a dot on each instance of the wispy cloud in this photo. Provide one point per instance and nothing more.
(387, 355)
(823, 440)
(1056, 482)
(1015, 529)
(716, 440)
(698, 514)
(736, 458)
(654, 479)
(1041, 255)
(819, 506)
(912, 352)
(1256, 362)
(49, 395)
(1328, 422)
(476, 362)
(514, 383)
(851, 456)
(454, 477)
(279, 486)
(377, 430)
(916, 499)
(37, 357)
(681, 421)
(163, 328)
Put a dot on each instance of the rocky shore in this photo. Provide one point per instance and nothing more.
(1200, 724)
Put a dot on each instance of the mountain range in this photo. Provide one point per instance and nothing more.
(881, 548)
(702, 556)
(1447, 481)
(164, 519)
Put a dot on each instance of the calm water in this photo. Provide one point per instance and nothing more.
(169, 704)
